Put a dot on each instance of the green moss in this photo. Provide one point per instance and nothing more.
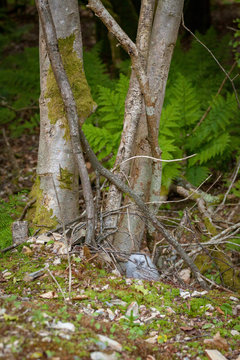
(209, 226)
(39, 213)
(66, 179)
(229, 275)
(76, 76)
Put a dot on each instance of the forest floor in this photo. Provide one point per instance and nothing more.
(108, 316)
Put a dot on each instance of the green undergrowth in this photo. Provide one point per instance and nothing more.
(10, 211)
(27, 311)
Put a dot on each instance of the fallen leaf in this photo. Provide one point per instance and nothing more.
(186, 328)
(26, 250)
(80, 297)
(217, 341)
(49, 295)
(219, 310)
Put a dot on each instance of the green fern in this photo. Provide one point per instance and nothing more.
(8, 212)
(96, 71)
(103, 129)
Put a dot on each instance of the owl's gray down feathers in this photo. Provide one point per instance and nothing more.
(140, 266)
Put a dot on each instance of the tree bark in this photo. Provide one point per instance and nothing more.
(56, 161)
(145, 174)
(133, 109)
(70, 108)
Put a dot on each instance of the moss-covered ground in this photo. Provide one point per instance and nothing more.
(174, 327)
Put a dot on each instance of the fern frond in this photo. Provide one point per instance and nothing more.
(96, 71)
(197, 174)
(186, 101)
(212, 149)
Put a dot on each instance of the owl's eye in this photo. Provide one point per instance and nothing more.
(142, 262)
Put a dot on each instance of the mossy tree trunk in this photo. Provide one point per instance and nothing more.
(56, 164)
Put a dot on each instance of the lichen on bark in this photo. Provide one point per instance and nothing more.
(74, 69)
(39, 213)
(66, 179)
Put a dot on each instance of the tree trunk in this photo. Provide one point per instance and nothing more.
(146, 176)
(56, 164)
(133, 109)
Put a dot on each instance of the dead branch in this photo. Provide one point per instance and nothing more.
(50, 36)
(196, 197)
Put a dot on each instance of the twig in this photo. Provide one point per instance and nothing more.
(155, 159)
(4, 104)
(29, 204)
(11, 247)
(50, 36)
(57, 283)
(214, 57)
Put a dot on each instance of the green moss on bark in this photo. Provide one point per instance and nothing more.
(65, 179)
(39, 213)
(230, 276)
(76, 76)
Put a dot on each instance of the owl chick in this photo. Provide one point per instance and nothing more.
(140, 266)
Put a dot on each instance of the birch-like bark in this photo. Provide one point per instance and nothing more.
(55, 156)
(164, 36)
(133, 109)
(51, 41)
(143, 179)
(147, 177)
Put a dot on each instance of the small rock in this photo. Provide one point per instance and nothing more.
(111, 314)
(6, 274)
(132, 309)
(42, 239)
(63, 326)
(234, 332)
(98, 355)
(199, 293)
(233, 298)
(100, 312)
(185, 294)
(57, 261)
(152, 340)
(118, 302)
(185, 275)
(113, 344)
